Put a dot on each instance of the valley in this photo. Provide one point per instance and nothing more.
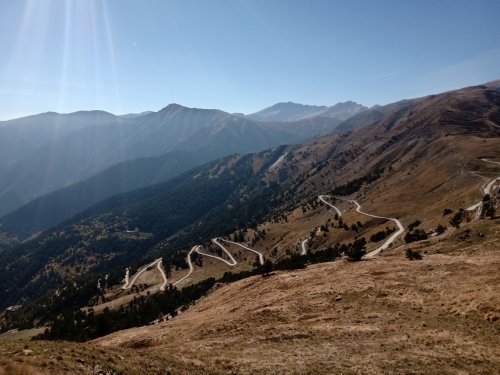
(369, 244)
(249, 187)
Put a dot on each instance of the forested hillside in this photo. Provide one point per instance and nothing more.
(409, 150)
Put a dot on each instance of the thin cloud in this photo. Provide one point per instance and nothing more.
(482, 68)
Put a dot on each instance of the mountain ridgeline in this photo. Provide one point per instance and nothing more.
(48, 152)
(293, 112)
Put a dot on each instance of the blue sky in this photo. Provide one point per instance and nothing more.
(240, 56)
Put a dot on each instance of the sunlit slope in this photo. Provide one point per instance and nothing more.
(384, 315)
(424, 154)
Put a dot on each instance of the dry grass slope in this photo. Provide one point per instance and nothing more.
(386, 315)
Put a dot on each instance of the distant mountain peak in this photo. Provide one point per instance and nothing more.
(135, 115)
(290, 111)
(174, 107)
(294, 104)
(91, 112)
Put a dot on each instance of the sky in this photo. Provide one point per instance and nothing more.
(127, 56)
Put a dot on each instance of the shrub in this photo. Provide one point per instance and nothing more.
(413, 255)
(379, 236)
(267, 268)
(447, 211)
(457, 218)
(488, 208)
(413, 225)
(356, 250)
(490, 212)
(440, 229)
(416, 235)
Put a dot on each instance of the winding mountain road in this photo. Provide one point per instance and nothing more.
(190, 264)
(390, 240)
(486, 190)
(159, 264)
(126, 279)
(232, 262)
(197, 249)
(162, 271)
(260, 255)
(491, 161)
(322, 199)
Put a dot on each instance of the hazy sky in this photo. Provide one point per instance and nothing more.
(240, 56)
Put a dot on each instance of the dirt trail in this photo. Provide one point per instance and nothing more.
(190, 264)
(197, 249)
(322, 199)
(130, 283)
(260, 255)
(304, 249)
(486, 190)
(390, 240)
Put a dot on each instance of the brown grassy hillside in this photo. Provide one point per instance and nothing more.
(386, 315)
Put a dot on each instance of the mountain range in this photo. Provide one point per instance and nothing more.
(376, 242)
(422, 138)
(290, 111)
(61, 177)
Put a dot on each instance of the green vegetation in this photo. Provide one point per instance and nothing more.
(413, 225)
(379, 236)
(447, 211)
(415, 235)
(74, 324)
(50, 209)
(488, 207)
(354, 185)
(67, 321)
(70, 296)
(440, 229)
(457, 218)
(78, 325)
(192, 208)
(356, 250)
(267, 267)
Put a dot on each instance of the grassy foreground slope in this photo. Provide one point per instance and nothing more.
(389, 314)
(386, 315)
